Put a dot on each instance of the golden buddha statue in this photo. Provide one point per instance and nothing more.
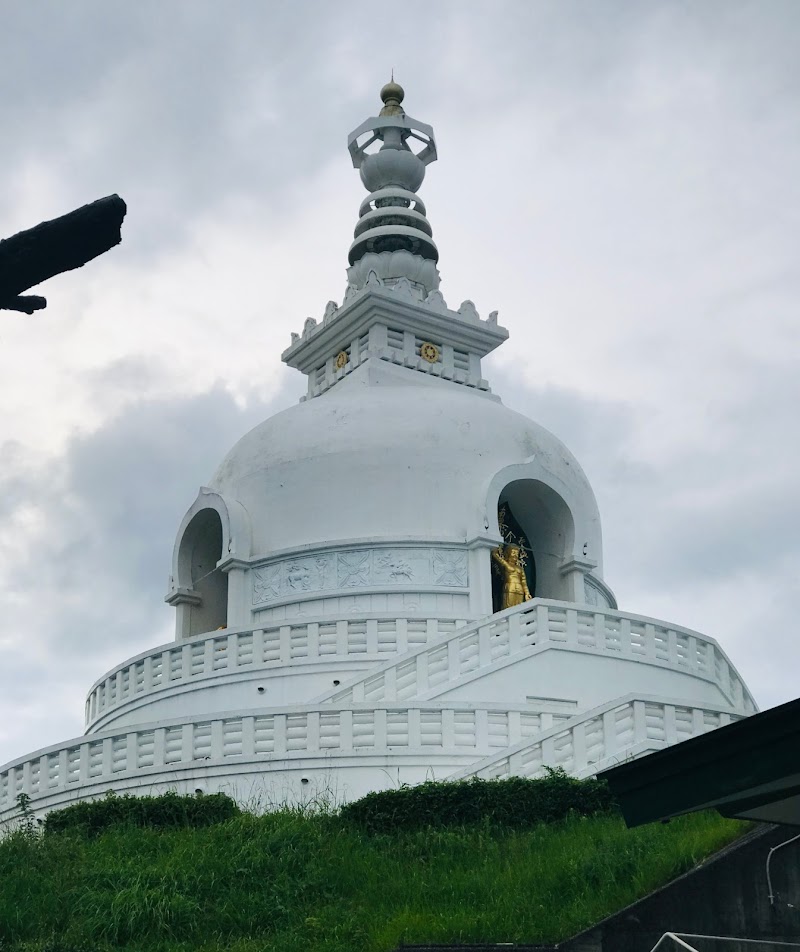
(515, 584)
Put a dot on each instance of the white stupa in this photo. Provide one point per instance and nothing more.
(340, 619)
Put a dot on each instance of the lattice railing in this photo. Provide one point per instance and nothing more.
(260, 647)
(608, 734)
(299, 732)
(434, 653)
(518, 741)
(435, 667)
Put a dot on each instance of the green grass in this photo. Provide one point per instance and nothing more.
(291, 882)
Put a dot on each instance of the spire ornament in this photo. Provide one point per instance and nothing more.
(392, 95)
(393, 237)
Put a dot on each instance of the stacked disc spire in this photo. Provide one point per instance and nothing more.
(391, 151)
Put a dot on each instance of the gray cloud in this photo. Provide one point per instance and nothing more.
(83, 589)
(708, 539)
(726, 509)
(618, 178)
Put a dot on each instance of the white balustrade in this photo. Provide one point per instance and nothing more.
(218, 653)
(392, 708)
(610, 733)
(468, 651)
(517, 741)
(299, 732)
(439, 652)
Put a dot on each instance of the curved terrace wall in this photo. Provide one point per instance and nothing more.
(288, 754)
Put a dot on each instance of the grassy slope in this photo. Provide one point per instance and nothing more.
(290, 883)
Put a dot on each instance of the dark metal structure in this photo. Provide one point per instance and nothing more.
(749, 769)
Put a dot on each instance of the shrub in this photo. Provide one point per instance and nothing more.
(167, 811)
(28, 824)
(514, 803)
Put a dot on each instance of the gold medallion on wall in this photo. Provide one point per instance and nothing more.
(429, 352)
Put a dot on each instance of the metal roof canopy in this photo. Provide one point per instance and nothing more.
(749, 769)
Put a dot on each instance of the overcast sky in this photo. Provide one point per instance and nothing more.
(619, 179)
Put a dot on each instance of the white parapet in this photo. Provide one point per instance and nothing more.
(382, 659)
(345, 751)
(543, 684)
(470, 654)
(609, 734)
(306, 655)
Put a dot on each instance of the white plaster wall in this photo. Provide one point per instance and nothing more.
(266, 687)
(259, 787)
(376, 604)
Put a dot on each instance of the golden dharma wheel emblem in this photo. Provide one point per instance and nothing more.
(341, 359)
(429, 352)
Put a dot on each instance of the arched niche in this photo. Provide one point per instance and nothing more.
(200, 551)
(556, 508)
(213, 537)
(549, 530)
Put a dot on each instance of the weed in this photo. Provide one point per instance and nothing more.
(292, 880)
(28, 825)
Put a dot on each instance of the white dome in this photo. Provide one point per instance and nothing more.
(395, 461)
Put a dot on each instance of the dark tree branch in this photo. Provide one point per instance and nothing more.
(28, 304)
(52, 247)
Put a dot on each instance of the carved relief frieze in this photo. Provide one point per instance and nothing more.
(353, 568)
(594, 595)
(395, 567)
(267, 583)
(450, 567)
(381, 567)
